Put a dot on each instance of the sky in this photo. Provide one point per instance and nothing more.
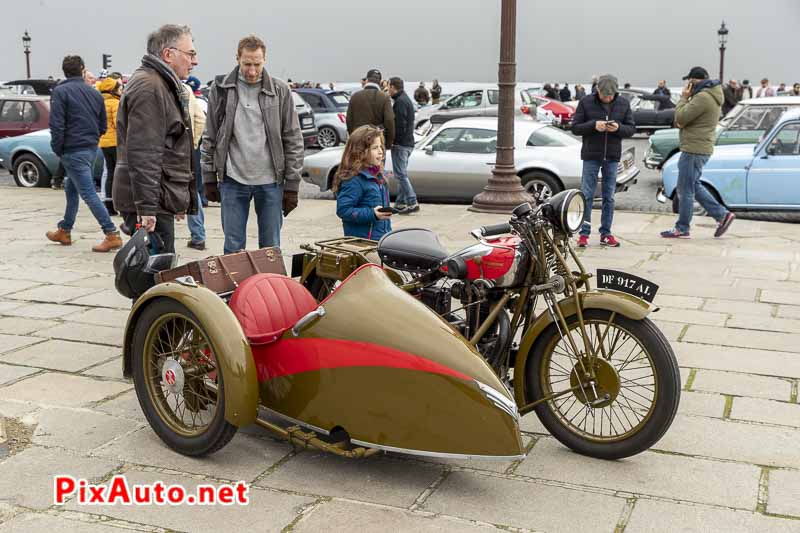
(455, 40)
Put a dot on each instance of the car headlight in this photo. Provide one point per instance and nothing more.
(565, 210)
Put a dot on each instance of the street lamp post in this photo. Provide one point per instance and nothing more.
(722, 33)
(26, 44)
(504, 190)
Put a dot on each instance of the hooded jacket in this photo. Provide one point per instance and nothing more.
(154, 144)
(355, 201)
(111, 100)
(697, 116)
(600, 145)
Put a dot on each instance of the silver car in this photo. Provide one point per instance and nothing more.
(330, 113)
(475, 101)
(454, 162)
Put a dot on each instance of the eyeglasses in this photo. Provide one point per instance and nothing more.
(192, 54)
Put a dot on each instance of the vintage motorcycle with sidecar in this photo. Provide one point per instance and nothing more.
(600, 375)
(339, 375)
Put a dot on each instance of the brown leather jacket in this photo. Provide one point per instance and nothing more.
(154, 145)
(371, 106)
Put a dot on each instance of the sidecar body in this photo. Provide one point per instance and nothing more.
(369, 362)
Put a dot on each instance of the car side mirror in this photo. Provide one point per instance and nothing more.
(428, 149)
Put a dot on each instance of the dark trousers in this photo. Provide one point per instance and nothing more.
(110, 155)
(165, 228)
(198, 176)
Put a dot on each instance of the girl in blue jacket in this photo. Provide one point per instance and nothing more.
(360, 187)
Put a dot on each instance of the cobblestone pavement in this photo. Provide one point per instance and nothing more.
(730, 462)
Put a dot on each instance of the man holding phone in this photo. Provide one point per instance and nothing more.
(603, 119)
(697, 115)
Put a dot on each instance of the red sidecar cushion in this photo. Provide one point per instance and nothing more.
(269, 304)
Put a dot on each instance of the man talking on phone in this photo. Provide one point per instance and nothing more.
(603, 119)
(697, 115)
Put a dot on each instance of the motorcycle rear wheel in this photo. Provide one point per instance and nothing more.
(634, 398)
(177, 380)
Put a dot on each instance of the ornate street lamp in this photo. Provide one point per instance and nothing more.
(26, 44)
(504, 190)
(722, 33)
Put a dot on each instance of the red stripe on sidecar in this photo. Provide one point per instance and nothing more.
(293, 356)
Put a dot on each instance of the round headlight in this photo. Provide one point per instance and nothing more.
(566, 210)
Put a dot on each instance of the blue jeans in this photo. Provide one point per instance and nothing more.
(80, 184)
(236, 208)
(400, 155)
(609, 187)
(690, 167)
(197, 223)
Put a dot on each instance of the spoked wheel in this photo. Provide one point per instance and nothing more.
(632, 399)
(320, 288)
(177, 380)
(327, 137)
(540, 184)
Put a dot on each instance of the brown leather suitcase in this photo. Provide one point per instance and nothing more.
(223, 273)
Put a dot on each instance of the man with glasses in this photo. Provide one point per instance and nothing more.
(154, 181)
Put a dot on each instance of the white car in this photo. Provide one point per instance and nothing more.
(454, 162)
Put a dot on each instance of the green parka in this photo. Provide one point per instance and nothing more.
(697, 117)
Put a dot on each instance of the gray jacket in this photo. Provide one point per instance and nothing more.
(280, 122)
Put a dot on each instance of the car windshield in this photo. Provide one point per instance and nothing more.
(550, 136)
(341, 99)
(298, 100)
(732, 114)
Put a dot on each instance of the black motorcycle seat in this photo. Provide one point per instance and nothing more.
(412, 249)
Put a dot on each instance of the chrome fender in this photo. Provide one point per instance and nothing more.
(618, 302)
(225, 333)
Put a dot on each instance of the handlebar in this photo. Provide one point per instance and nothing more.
(495, 229)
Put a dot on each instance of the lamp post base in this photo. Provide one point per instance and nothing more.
(502, 194)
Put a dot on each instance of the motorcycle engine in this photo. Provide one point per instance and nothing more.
(437, 298)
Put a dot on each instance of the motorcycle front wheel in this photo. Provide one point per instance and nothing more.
(629, 404)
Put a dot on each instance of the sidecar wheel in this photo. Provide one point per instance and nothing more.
(635, 395)
(177, 380)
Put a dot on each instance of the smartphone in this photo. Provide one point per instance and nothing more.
(388, 209)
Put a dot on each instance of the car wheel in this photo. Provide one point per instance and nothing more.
(698, 210)
(327, 137)
(30, 172)
(540, 184)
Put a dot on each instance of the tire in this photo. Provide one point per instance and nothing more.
(541, 184)
(327, 137)
(29, 172)
(559, 416)
(698, 210)
(168, 325)
(320, 288)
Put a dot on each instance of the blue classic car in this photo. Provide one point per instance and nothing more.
(750, 177)
(32, 162)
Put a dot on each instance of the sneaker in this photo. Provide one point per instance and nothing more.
(197, 245)
(609, 240)
(60, 236)
(112, 242)
(399, 206)
(410, 209)
(583, 241)
(723, 226)
(674, 233)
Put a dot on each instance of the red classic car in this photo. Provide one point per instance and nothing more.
(23, 114)
(561, 111)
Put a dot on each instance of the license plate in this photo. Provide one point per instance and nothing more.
(307, 122)
(624, 282)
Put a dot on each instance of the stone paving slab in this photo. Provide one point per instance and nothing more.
(11, 286)
(734, 307)
(125, 405)
(781, 325)
(23, 326)
(78, 429)
(86, 333)
(678, 302)
(16, 409)
(378, 479)
(8, 305)
(9, 343)
(38, 466)
(9, 373)
(104, 298)
(767, 411)
(37, 523)
(365, 518)
(654, 474)
(735, 441)
(701, 404)
(690, 316)
(789, 311)
(657, 517)
(102, 317)
(44, 310)
(42, 275)
(56, 294)
(267, 511)
(742, 385)
(784, 493)
(64, 390)
(500, 500)
(111, 369)
(244, 458)
(781, 297)
(61, 355)
(762, 340)
(785, 364)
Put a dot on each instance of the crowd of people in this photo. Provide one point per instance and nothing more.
(168, 151)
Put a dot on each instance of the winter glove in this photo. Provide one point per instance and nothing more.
(289, 202)
(212, 192)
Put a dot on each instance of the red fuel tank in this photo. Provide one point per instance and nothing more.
(504, 261)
